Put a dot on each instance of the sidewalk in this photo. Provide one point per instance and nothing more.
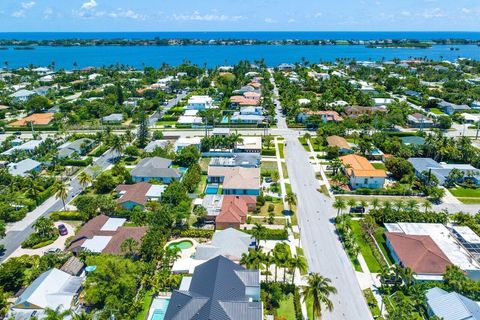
(319, 168)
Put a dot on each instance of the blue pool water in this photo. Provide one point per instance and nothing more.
(211, 188)
(161, 306)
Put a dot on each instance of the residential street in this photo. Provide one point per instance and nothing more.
(19, 231)
(322, 247)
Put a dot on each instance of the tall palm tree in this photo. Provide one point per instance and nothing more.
(427, 205)
(84, 179)
(375, 203)
(82, 316)
(319, 289)
(56, 314)
(62, 193)
(118, 145)
(291, 199)
(340, 205)
(351, 203)
(267, 262)
(258, 232)
(129, 246)
(298, 262)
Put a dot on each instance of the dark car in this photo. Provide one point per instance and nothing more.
(62, 230)
(359, 209)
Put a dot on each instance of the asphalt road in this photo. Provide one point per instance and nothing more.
(322, 246)
(20, 230)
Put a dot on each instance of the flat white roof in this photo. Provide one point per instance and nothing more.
(199, 99)
(97, 243)
(188, 141)
(113, 224)
(443, 239)
(186, 265)
(155, 191)
(190, 112)
(467, 234)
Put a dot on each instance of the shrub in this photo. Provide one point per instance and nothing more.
(196, 233)
(35, 241)
(268, 152)
(297, 304)
(271, 207)
(273, 234)
(78, 163)
(67, 215)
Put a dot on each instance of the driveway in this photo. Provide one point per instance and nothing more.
(59, 243)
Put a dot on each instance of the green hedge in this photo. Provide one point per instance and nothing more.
(272, 234)
(297, 304)
(99, 151)
(196, 233)
(67, 215)
(78, 163)
(45, 194)
(29, 129)
(268, 152)
(34, 241)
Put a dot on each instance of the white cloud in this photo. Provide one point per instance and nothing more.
(18, 14)
(318, 14)
(406, 13)
(130, 14)
(291, 20)
(269, 20)
(197, 16)
(89, 5)
(434, 13)
(47, 13)
(28, 5)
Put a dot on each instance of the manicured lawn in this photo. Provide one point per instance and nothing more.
(378, 165)
(285, 170)
(267, 167)
(286, 309)
(372, 263)
(280, 150)
(383, 244)
(288, 187)
(309, 304)
(146, 301)
(278, 210)
(436, 111)
(470, 200)
(465, 192)
(201, 185)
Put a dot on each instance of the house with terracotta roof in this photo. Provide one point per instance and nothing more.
(236, 180)
(341, 143)
(428, 248)
(104, 234)
(138, 194)
(361, 173)
(417, 252)
(323, 116)
(357, 111)
(38, 119)
(234, 211)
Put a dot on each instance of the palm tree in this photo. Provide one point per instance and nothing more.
(318, 289)
(253, 259)
(84, 179)
(82, 316)
(351, 203)
(258, 232)
(340, 205)
(129, 246)
(412, 205)
(267, 262)
(118, 145)
(56, 314)
(298, 262)
(43, 226)
(375, 203)
(291, 198)
(62, 193)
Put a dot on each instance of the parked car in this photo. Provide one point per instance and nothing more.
(62, 230)
(358, 209)
(53, 250)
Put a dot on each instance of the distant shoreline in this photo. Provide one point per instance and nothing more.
(384, 43)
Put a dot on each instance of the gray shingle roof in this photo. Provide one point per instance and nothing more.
(155, 167)
(230, 243)
(217, 291)
(452, 306)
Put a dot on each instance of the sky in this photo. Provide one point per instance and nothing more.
(239, 15)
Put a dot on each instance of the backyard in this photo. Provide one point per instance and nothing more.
(365, 249)
(466, 195)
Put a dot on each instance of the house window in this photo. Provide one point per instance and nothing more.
(366, 181)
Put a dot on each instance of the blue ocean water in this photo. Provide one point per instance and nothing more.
(139, 56)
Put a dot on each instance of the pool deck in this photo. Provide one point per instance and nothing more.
(157, 303)
(185, 253)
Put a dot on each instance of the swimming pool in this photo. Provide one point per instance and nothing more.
(184, 244)
(211, 188)
(160, 305)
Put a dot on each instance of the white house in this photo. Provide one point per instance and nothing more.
(52, 289)
(185, 142)
(199, 103)
(22, 95)
(361, 173)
